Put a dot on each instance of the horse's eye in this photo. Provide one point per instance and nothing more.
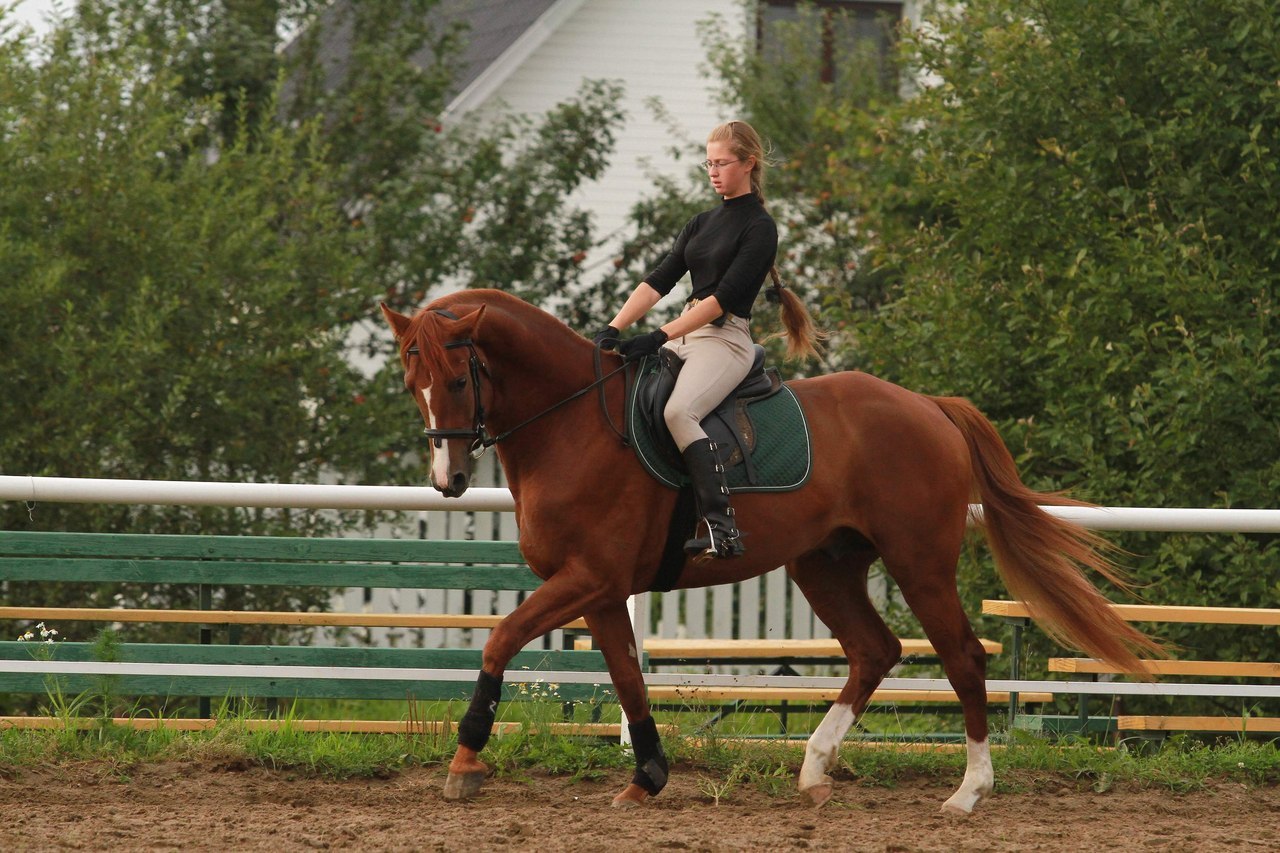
(458, 384)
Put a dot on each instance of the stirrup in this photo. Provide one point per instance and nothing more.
(713, 547)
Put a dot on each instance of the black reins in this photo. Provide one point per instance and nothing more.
(479, 432)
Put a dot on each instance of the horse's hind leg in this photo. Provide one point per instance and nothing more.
(932, 596)
(837, 590)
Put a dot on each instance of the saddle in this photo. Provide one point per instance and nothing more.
(733, 425)
(760, 423)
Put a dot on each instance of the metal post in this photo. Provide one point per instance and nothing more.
(1016, 667)
(206, 638)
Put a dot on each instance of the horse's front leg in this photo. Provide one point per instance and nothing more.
(561, 599)
(611, 628)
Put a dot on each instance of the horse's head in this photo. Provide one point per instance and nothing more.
(444, 373)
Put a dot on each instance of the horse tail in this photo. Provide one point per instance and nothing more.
(1040, 557)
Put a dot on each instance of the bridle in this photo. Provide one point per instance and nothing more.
(479, 435)
(479, 432)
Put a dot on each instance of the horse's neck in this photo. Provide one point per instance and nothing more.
(539, 363)
(539, 368)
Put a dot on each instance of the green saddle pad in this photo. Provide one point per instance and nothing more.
(782, 457)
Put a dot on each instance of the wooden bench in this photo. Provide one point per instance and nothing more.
(1018, 614)
(711, 651)
(213, 562)
(783, 654)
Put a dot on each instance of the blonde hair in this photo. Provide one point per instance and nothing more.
(803, 336)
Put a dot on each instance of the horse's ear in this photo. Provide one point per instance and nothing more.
(399, 323)
(467, 324)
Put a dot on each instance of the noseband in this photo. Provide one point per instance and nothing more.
(479, 433)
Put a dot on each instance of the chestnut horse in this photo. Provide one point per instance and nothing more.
(894, 472)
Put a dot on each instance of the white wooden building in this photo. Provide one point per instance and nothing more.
(652, 46)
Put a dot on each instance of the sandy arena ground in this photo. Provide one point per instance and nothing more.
(196, 807)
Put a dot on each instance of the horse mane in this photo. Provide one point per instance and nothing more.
(525, 319)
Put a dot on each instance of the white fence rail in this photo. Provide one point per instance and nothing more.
(764, 607)
(662, 679)
(170, 493)
(421, 498)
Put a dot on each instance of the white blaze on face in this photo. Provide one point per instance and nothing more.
(439, 455)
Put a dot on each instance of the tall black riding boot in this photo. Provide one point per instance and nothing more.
(712, 492)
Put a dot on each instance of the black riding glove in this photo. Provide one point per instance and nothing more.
(606, 338)
(634, 349)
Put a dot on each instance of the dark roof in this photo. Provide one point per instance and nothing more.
(492, 27)
(489, 28)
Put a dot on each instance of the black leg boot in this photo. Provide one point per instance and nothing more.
(712, 491)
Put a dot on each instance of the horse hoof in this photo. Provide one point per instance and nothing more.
(962, 806)
(818, 794)
(463, 786)
(632, 797)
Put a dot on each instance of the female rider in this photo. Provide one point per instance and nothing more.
(728, 251)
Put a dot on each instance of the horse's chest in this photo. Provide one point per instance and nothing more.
(536, 551)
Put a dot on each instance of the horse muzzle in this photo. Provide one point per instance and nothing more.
(457, 486)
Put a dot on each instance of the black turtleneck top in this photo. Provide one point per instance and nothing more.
(727, 251)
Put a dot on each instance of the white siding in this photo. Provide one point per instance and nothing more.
(654, 49)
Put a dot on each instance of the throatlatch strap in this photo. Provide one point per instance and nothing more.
(651, 764)
(477, 723)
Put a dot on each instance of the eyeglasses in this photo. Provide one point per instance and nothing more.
(710, 165)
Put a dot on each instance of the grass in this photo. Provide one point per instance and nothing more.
(720, 761)
(693, 719)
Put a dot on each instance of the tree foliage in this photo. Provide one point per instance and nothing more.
(151, 283)
(196, 227)
(1100, 264)
(1072, 221)
(193, 265)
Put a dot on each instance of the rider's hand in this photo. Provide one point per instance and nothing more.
(634, 349)
(606, 338)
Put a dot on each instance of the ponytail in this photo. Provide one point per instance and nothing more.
(804, 338)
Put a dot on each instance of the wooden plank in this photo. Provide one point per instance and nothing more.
(776, 585)
(217, 686)
(259, 617)
(662, 648)
(695, 612)
(57, 544)
(1160, 613)
(1226, 669)
(696, 693)
(433, 575)
(749, 610)
(722, 610)
(1198, 724)
(396, 727)
(669, 626)
(348, 656)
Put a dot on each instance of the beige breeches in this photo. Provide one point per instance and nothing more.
(716, 359)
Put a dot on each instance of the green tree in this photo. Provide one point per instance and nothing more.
(1096, 264)
(191, 236)
(1071, 220)
(166, 308)
(188, 261)
(149, 282)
